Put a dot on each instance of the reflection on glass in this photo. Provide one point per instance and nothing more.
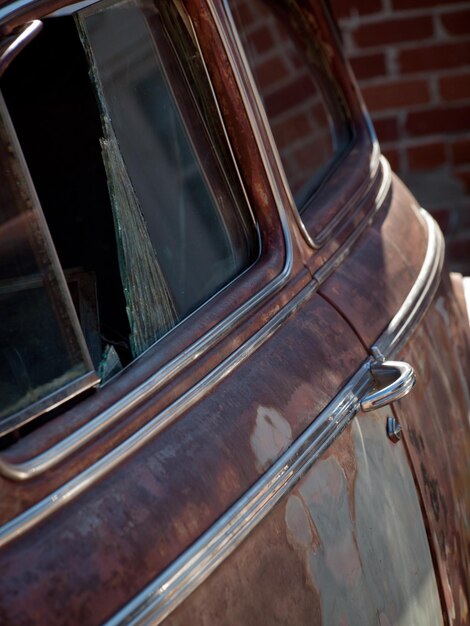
(287, 71)
(43, 358)
(182, 224)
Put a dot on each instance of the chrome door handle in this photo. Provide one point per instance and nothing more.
(400, 378)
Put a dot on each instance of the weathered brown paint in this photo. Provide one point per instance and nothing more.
(350, 535)
(372, 283)
(158, 502)
(436, 422)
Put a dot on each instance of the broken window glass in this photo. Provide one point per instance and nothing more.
(182, 223)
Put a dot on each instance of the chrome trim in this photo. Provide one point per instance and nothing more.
(46, 404)
(420, 294)
(320, 434)
(401, 379)
(50, 457)
(105, 464)
(343, 251)
(187, 572)
(8, 12)
(20, 40)
(54, 455)
(325, 234)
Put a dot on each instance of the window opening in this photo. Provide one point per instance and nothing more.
(307, 120)
(127, 151)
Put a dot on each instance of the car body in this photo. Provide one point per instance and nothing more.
(213, 289)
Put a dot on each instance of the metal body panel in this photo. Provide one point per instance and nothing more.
(436, 427)
(339, 549)
(154, 504)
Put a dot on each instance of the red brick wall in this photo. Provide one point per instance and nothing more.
(412, 61)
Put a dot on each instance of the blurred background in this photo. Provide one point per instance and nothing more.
(412, 62)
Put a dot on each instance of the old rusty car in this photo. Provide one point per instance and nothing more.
(215, 301)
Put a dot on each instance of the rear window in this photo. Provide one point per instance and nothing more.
(307, 120)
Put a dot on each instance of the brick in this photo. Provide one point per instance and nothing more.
(368, 65)
(271, 72)
(426, 156)
(454, 88)
(420, 4)
(456, 23)
(290, 130)
(290, 95)
(390, 31)
(438, 120)
(434, 57)
(460, 151)
(261, 39)
(346, 8)
(386, 129)
(397, 94)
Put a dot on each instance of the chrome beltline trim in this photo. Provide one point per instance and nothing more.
(104, 465)
(187, 572)
(260, 499)
(421, 293)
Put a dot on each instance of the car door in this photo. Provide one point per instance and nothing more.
(221, 475)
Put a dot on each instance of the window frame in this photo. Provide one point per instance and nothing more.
(348, 176)
(220, 315)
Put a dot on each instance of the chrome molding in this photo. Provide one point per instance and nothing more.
(10, 10)
(27, 34)
(186, 573)
(182, 577)
(104, 465)
(420, 295)
(324, 236)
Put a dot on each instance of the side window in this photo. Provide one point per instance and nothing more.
(307, 121)
(127, 151)
(42, 351)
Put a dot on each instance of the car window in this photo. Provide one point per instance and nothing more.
(42, 351)
(128, 153)
(307, 122)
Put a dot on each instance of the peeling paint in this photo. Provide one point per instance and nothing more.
(271, 436)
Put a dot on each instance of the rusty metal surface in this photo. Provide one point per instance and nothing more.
(348, 546)
(158, 502)
(372, 283)
(436, 424)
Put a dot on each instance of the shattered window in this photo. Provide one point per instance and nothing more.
(307, 123)
(128, 153)
(182, 225)
(136, 181)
